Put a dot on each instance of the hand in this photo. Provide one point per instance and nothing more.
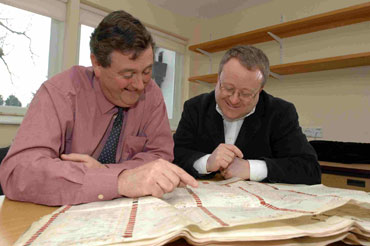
(222, 156)
(154, 178)
(238, 168)
(87, 160)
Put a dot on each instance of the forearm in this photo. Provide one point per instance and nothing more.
(32, 176)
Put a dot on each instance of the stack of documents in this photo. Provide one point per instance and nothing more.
(230, 212)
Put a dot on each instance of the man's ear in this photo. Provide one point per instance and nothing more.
(96, 65)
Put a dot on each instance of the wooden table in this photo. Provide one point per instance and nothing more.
(17, 217)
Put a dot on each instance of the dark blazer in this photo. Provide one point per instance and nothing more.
(272, 133)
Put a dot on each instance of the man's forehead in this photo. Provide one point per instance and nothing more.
(125, 60)
(233, 79)
(134, 55)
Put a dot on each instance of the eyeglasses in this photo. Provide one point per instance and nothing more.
(245, 95)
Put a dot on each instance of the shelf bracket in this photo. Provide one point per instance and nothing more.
(280, 41)
(276, 76)
(209, 57)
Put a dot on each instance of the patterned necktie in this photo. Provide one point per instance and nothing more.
(108, 154)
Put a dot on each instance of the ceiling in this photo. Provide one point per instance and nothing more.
(205, 8)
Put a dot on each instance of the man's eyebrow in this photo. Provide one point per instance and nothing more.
(150, 65)
(147, 67)
(126, 70)
(241, 89)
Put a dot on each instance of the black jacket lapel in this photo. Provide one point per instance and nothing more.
(215, 124)
(251, 125)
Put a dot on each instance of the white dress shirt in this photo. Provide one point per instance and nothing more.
(258, 168)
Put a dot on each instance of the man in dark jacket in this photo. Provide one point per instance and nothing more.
(241, 131)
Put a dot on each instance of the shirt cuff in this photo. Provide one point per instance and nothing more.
(258, 170)
(101, 184)
(201, 164)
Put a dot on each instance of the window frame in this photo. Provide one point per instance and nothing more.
(56, 10)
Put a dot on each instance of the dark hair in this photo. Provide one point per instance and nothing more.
(250, 57)
(122, 32)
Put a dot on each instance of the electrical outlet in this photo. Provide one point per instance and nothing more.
(313, 132)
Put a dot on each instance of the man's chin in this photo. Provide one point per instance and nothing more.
(128, 104)
(128, 101)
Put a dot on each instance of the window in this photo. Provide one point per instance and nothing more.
(30, 50)
(84, 54)
(89, 19)
(167, 67)
(170, 51)
(24, 36)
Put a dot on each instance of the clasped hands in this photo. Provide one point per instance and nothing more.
(154, 178)
(227, 158)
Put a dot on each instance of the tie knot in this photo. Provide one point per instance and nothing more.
(119, 112)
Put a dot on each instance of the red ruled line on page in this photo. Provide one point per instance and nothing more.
(294, 191)
(267, 205)
(44, 227)
(204, 209)
(131, 223)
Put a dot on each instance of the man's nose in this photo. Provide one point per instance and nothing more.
(234, 98)
(138, 82)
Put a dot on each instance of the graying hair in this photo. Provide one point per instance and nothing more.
(250, 57)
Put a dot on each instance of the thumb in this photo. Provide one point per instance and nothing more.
(72, 157)
(64, 157)
(237, 152)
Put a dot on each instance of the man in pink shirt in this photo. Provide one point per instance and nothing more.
(111, 113)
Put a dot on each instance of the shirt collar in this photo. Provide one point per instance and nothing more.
(104, 105)
(241, 118)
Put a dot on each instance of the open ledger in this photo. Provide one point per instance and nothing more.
(229, 212)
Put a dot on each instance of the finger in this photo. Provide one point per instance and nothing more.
(227, 156)
(184, 176)
(223, 173)
(96, 165)
(164, 183)
(227, 174)
(223, 157)
(235, 150)
(73, 157)
(224, 164)
(156, 191)
(172, 176)
(64, 157)
(91, 164)
(181, 184)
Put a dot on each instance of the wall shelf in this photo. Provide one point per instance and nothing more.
(346, 16)
(337, 62)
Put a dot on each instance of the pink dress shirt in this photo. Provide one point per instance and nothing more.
(70, 114)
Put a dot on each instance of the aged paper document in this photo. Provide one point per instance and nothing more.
(230, 212)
